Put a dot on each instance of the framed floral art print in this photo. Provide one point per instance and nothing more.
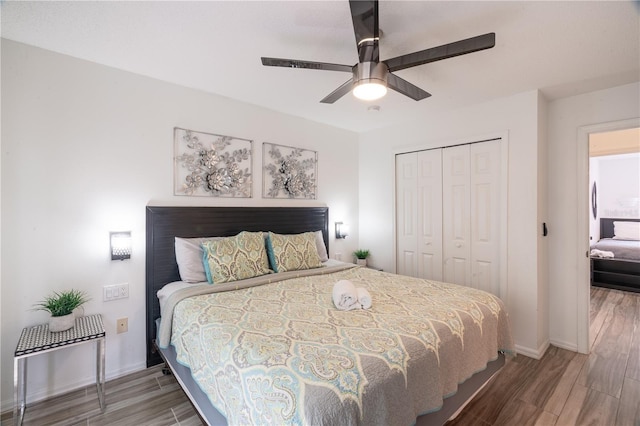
(289, 172)
(206, 164)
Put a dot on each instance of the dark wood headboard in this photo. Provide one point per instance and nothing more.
(606, 226)
(166, 223)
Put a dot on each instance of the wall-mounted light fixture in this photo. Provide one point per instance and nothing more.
(120, 245)
(342, 230)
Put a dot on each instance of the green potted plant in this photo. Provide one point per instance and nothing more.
(361, 256)
(61, 306)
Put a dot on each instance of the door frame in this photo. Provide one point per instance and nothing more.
(583, 294)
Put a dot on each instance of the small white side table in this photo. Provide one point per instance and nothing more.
(39, 340)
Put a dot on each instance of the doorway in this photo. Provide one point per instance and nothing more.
(584, 210)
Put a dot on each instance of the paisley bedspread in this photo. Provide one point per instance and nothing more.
(281, 353)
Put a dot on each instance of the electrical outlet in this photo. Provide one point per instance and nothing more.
(338, 256)
(123, 290)
(122, 325)
(115, 291)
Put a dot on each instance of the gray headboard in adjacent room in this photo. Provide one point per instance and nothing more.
(606, 225)
(166, 223)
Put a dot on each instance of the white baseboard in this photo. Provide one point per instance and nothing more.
(533, 353)
(35, 395)
(570, 346)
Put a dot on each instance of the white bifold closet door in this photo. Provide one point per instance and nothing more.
(429, 221)
(406, 214)
(486, 222)
(419, 214)
(471, 212)
(456, 211)
(448, 214)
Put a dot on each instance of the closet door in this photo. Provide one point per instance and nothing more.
(406, 214)
(456, 219)
(448, 215)
(485, 216)
(430, 214)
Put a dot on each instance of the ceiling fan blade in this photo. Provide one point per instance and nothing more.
(403, 86)
(338, 93)
(294, 63)
(462, 47)
(364, 15)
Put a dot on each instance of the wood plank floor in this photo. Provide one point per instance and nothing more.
(567, 388)
(562, 388)
(144, 398)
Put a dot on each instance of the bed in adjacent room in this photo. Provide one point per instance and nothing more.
(268, 345)
(615, 258)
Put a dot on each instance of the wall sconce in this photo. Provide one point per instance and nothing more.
(120, 245)
(342, 231)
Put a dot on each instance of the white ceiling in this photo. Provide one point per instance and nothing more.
(561, 48)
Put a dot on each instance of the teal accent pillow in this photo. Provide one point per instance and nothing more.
(205, 263)
(293, 252)
(235, 258)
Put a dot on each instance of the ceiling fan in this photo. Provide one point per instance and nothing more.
(370, 76)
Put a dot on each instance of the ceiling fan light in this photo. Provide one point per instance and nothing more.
(370, 90)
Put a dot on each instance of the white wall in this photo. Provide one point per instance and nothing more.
(619, 185)
(565, 118)
(543, 305)
(515, 116)
(84, 149)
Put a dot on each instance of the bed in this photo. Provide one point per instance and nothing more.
(615, 263)
(277, 351)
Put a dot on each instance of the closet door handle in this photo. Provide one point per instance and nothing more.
(458, 245)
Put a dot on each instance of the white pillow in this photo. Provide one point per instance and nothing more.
(626, 231)
(322, 249)
(189, 258)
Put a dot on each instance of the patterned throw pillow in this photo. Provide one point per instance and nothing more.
(235, 258)
(293, 252)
